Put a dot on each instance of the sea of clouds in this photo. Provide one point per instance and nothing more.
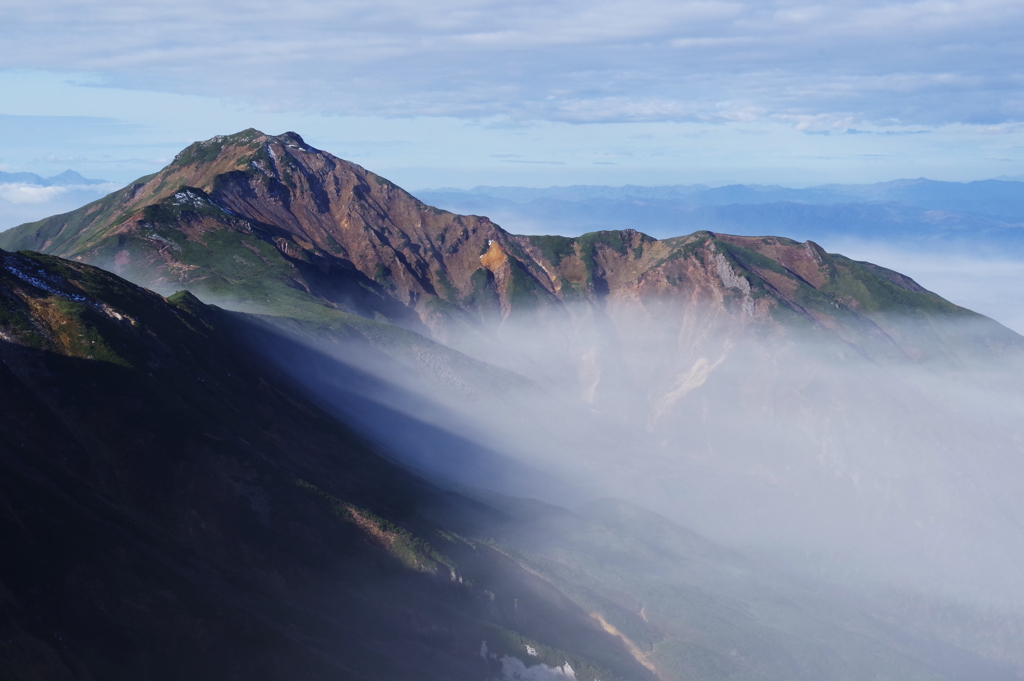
(22, 202)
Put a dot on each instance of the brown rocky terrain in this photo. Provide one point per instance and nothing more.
(331, 225)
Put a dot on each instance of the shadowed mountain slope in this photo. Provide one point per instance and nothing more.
(171, 508)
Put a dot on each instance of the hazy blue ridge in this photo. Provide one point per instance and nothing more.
(65, 179)
(990, 197)
(989, 214)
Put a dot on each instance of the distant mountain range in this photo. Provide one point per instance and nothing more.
(993, 196)
(65, 179)
(27, 196)
(334, 478)
(987, 213)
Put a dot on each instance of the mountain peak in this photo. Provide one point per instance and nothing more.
(277, 226)
(292, 137)
(248, 140)
(65, 179)
(205, 151)
(70, 177)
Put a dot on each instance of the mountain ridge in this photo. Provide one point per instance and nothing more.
(912, 214)
(919, 191)
(298, 220)
(67, 178)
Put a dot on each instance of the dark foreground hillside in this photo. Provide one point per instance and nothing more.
(170, 510)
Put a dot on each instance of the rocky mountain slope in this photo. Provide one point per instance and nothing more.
(260, 219)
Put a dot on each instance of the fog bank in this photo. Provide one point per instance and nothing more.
(858, 459)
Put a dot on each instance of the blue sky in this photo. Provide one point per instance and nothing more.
(466, 92)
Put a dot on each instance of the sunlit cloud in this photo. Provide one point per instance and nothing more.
(27, 193)
(22, 193)
(22, 202)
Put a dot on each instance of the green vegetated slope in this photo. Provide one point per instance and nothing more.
(171, 509)
(771, 281)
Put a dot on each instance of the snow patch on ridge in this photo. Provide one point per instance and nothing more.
(47, 282)
(41, 284)
(187, 197)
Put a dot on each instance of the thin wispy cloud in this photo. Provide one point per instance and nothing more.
(878, 63)
(19, 193)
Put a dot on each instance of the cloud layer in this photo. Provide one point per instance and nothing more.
(824, 67)
(22, 202)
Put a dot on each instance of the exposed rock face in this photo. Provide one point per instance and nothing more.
(271, 212)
